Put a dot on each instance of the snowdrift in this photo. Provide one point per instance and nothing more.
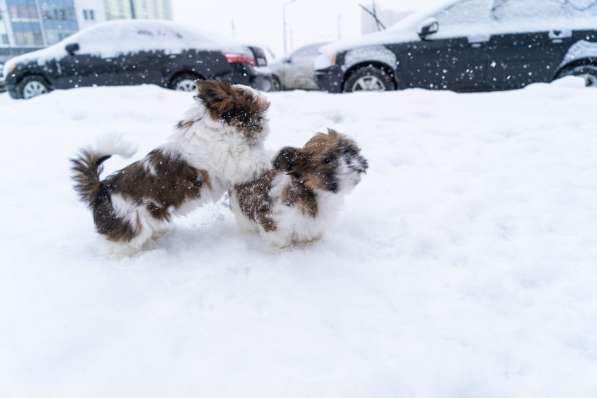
(464, 265)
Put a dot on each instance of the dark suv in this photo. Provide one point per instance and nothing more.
(131, 53)
(470, 45)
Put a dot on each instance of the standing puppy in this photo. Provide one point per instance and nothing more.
(292, 203)
(215, 142)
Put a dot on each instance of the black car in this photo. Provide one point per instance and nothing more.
(470, 45)
(132, 53)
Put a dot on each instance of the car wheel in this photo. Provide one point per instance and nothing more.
(276, 84)
(184, 83)
(369, 78)
(588, 72)
(33, 86)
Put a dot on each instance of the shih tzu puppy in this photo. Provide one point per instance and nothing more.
(218, 141)
(292, 202)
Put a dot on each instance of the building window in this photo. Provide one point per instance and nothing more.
(22, 9)
(27, 34)
(89, 15)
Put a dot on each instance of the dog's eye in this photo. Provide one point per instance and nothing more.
(328, 160)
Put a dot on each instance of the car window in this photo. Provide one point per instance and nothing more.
(96, 40)
(308, 51)
(111, 40)
(153, 33)
(524, 10)
(534, 15)
(464, 18)
(584, 7)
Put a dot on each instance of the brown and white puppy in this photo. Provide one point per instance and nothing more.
(292, 203)
(216, 142)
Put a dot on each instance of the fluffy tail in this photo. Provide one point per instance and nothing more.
(87, 166)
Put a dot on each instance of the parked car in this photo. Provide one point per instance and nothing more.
(469, 45)
(263, 58)
(131, 53)
(296, 71)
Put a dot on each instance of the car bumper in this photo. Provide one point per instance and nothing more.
(330, 79)
(262, 80)
(10, 85)
(257, 78)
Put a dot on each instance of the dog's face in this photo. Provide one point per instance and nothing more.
(237, 106)
(329, 162)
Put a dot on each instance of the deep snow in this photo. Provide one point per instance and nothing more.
(464, 265)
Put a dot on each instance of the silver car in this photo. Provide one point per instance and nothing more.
(296, 72)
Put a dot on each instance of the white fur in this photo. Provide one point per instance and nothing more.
(293, 226)
(144, 225)
(219, 149)
(114, 144)
(149, 167)
(208, 145)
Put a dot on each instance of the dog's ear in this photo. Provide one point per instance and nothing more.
(287, 160)
(216, 95)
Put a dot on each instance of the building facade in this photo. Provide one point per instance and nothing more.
(36, 23)
(27, 25)
(138, 9)
(90, 12)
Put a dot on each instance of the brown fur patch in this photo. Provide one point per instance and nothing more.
(236, 106)
(160, 182)
(255, 202)
(300, 196)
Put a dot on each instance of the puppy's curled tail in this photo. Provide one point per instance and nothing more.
(87, 166)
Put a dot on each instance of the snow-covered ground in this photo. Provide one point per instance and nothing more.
(464, 265)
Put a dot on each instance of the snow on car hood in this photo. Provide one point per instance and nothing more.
(405, 30)
(115, 38)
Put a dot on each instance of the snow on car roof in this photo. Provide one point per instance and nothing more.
(115, 38)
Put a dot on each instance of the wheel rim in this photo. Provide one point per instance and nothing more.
(276, 85)
(33, 89)
(186, 85)
(369, 83)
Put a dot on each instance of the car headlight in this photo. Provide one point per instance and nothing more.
(9, 67)
(324, 61)
(333, 59)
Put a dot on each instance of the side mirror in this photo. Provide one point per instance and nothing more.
(428, 28)
(72, 48)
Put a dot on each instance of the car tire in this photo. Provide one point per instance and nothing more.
(589, 72)
(276, 84)
(184, 82)
(369, 78)
(32, 86)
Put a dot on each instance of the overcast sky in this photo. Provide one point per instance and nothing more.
(260, 21)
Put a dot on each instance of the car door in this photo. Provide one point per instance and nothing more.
(455, 57)
(529, 41)
(96, 62)
(145, 48)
